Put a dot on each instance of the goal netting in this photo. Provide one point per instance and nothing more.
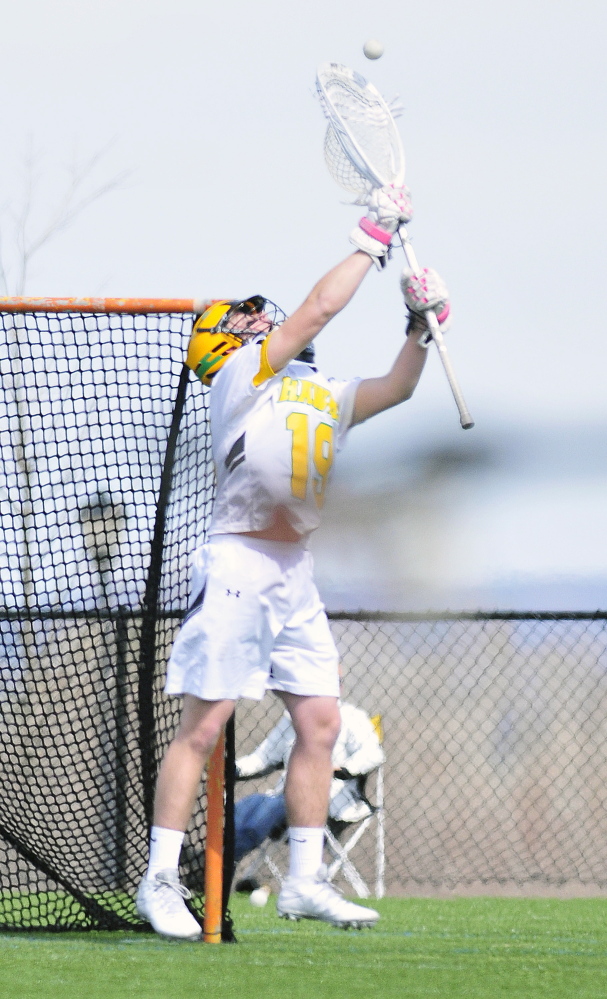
(106, 483)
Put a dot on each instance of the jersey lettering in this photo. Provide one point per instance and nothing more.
(309, 393)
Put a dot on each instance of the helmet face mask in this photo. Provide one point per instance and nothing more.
(249, 318)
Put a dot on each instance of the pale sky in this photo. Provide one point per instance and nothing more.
(211, 110)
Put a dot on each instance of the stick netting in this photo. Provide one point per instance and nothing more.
(106, 482)
(361, 134)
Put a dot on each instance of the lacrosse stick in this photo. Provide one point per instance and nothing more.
(363, 151)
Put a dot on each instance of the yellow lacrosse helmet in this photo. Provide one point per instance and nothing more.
(220, 330)
(210, 346)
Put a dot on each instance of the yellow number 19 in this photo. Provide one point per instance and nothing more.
(297, 423)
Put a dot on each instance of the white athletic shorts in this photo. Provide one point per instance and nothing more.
(255, 623)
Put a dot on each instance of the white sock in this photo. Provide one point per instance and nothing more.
(165, 847)
(305, 851)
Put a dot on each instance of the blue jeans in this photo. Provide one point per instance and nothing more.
(254, 819)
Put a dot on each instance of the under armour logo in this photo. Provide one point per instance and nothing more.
(232, 593)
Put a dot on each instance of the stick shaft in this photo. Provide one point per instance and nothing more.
(464, 415)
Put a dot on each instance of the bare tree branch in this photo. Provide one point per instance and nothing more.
(72, 202)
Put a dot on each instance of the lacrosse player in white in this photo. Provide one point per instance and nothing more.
(255, 620)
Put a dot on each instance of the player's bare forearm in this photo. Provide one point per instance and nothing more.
(328, 297)
(374, 395)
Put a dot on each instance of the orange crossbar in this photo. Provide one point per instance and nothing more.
(213, 872)
(130, 306)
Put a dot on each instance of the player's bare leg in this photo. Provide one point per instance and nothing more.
(181, 771)
(161, 897)
(306, 893)
(316, 721)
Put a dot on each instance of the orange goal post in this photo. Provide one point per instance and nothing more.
(129, 306)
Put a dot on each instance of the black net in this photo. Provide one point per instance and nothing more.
(105, 486)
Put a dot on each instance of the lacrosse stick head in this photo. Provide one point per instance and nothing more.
(363, 148)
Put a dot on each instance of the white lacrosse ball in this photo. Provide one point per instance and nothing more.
(373, 49)
(259, 897)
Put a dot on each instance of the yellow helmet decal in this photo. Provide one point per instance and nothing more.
(212, 316)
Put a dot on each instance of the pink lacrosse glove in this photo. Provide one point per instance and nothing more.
(388, 208)
(424, 291)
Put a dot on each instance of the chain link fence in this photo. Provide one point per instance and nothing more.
(495, 776)
(496, 754)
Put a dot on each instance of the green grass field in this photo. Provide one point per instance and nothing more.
(474, 948)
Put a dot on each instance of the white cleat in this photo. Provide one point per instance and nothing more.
(161, 902)
(317, 899)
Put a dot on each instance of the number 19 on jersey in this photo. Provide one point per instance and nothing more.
(311, 456)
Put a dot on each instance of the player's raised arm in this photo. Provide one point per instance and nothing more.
(327, 298)
(422, 292)
(387, 209)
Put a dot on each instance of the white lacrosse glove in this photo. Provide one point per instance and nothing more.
(424, 291)
(388, 208)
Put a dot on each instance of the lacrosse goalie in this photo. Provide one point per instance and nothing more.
(255, 620)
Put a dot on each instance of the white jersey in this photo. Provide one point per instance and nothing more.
(274, 438)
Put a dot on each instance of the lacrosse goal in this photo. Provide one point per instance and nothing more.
(106, 484)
